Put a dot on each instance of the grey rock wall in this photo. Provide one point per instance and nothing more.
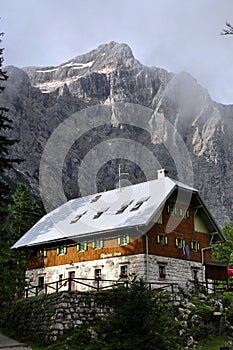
(40, 98)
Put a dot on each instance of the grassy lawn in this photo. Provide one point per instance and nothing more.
(215, 343)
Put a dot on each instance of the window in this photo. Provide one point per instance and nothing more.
(77, 217)
(162, 239)
(162, 271)
(41, 282)
(184, 213)
(124, 271)
(42, 252)
(82, 246)
(171, 209)
(124, 207)
(195, 246)
(98, 274)
(99, 213)
(61, 250)
(180, 243)
(61, 283)
(95, 199)
(123, 239)
(195, 274)
(98, 243)
(139, 203)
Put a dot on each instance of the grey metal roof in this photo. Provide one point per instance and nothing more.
(77, 219)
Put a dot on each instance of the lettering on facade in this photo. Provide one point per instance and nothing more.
(109, 255)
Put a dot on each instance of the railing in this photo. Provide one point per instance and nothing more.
(67, 284)
(211, 286)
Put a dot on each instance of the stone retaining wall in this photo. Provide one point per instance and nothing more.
(43, 318)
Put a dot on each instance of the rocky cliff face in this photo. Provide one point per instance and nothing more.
(40, 99)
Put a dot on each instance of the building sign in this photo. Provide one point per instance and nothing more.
(109, 255)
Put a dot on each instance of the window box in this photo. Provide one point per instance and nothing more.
(162, 275)
(123, 275)
(162, 272)
(97, 274)
(97, 278)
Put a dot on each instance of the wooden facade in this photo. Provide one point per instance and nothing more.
(182, 243)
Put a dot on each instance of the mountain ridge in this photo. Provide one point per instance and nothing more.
(40, 98)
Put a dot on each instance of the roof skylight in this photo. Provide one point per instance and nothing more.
(124, 207)
(95, 199)
(140, 203)
(99, 213)
(77, 217)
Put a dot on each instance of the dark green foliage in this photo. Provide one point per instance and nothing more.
(138, 319)
(222, 253)
(24, 211)
(6, 162)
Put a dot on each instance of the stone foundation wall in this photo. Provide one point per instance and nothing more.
(43, 318)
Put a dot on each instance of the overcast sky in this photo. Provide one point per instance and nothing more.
(178, 35)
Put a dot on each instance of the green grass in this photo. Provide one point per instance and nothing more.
(214, 343)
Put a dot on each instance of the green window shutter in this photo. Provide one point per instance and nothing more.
(85, 246)
(187, 214)
(183, 242)
(176, 242)
(45, 252)
(168, 209)
(127, 239)
(181, 212)
(65, 249)
(58, 250)
(158, 239)
(101, 243)
(175, 210)
(166, 240)
(119, 240)
(191, 245)
(198, 246)
(93, 245)
(78, 247)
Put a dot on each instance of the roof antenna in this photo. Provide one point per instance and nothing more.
(119, 176)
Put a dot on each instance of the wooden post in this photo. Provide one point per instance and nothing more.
(98, 284)
(57, 287)
(69, 283)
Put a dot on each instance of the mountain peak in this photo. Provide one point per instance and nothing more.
(105, 59)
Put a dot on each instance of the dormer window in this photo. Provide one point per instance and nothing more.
(99, 213)
(140, 203)
(95, 199)
(77, 217)
(124, 207)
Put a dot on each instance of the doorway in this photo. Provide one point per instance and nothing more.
(71, 282)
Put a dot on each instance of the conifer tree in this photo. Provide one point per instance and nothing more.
(24, 212)
(5, 161)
